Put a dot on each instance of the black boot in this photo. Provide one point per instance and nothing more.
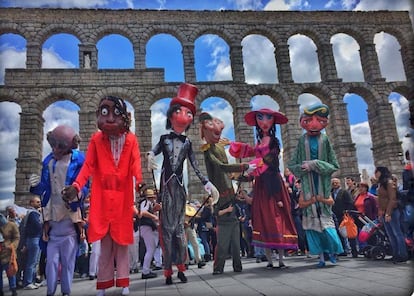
(182, 277)
(168, 280)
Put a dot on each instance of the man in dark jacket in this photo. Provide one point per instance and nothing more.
(343, 202)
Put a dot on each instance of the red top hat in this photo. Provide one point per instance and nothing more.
(186, 96)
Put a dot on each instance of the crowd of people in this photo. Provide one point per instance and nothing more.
(84, 218)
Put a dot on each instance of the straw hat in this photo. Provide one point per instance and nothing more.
(149, 192)
(190, 211)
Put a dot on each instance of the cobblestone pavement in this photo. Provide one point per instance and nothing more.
(350, 276)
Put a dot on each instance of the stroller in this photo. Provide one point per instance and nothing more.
(372, 237)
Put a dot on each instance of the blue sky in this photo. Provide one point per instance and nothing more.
(212, 63)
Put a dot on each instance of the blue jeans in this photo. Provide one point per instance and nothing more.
(396, 236)
(32, 260)
(12, 280)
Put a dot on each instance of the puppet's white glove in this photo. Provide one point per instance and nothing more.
(209, 187)
(34, 180)
(252, 167)
(151, 164)
(215, 195)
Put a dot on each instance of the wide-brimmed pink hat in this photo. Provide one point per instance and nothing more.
(279, 117)
(186, 96)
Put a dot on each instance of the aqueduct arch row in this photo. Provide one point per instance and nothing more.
(34, 88)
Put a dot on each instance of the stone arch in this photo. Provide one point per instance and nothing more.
(204, 30)
(52, 95)
(53, 29)
(226, 92)
(150, 32)
(274, 37)
(312, 33)
(115, 29)
(359, 37)
(14, 29)
(10, 95)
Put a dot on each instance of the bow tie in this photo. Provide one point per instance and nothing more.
(176, 136)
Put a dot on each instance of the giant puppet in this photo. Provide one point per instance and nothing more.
(61, 219)
(218, 169)
(176, 148)
(273, 226)
(113, 162)
(314, 162)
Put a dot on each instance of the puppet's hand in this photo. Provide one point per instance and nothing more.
(252, 167)
(34, 180)
(69, 193)
(209, 187)
(306, 166)
(151, 164)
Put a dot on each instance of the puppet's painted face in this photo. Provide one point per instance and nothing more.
(111, 120)
(265, 121)
(181, 119)
(61, 140)
(313, 124)
(212, 129)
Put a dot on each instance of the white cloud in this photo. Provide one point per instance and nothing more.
(11, 58)
(303, 59)
(277, 5)
(52, 60)
(60, 3)
(259, 60)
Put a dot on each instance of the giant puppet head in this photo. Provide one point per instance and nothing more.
(112, 116)
(210, 128)
(314, 118)
(62, 140)
(182, 109)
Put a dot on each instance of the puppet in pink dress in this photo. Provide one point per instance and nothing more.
(273, 226)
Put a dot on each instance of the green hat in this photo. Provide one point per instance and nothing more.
(317, 109)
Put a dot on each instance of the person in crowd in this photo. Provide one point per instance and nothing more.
(133, 249)
(366, 204)
(343, 202)
(30, 242)
(314, 161)
(273, 225)
(82, 259)
(218, 167)
(297, 218)
(374, 185)
(9, 239)
(148, 224)
(60, 219)
(13, 216)
(351, 186)
(408, 189)
(289, 178)
(389, 213)
(176, 148)
(245, 226)
(95, 251)
(205, 226)
(191, 235)
(113, 162)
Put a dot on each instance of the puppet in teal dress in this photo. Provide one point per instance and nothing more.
(314, 162)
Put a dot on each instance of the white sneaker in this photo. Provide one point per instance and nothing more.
(125, 291)
(31, 287)
(101, 292)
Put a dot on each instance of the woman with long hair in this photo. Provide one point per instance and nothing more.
(389, 213)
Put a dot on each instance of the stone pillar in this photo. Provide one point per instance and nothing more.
(33, 55)
(291, 131)
(87, 126)
(386, 146)
(195, 187)
(236, 62)
(143, 131)
(188, 57)
(140, 54)
(282, 56)
(88, 56)
(339, 134)
(327, 62)
(29, 160)
(369, 62)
